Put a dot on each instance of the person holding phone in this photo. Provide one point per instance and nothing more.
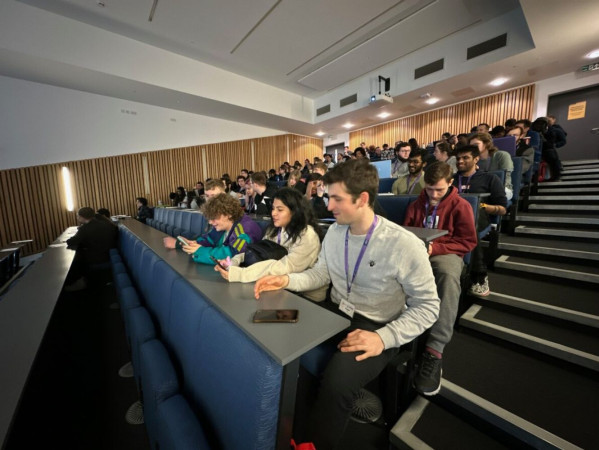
(292, 226)
(226, 215)
(381, 278)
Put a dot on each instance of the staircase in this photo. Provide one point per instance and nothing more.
(522, 370)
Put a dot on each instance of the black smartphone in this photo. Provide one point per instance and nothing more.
(276, 316)
(215, 261)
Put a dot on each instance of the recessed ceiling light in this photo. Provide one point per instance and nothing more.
(384, 115)
(498, 81)
(348, 125)
(320, 133)
(432, 100)
(593, 54)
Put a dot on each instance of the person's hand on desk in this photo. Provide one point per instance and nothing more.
(223, 272)
(368, 342)
(270, 283)
(169, 242)
(191, 247)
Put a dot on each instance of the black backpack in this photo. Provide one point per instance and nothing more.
(262, 251)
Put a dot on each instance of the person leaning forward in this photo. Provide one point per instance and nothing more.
(383, 281)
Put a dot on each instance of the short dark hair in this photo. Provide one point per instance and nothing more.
(418, 152)
(438, 171)
(86, 212)
(401, 144)
(214, 184)
(259, 178)
(244, 170)
(510, 123)
(444, 147)
(484, 124)
(223, 205)
(240, 177)
(472, 149)
(358, 176)
(143, 200)
(527, 123)
(360, 150)
(104, 212)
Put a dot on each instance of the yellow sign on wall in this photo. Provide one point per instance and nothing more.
(577, 110)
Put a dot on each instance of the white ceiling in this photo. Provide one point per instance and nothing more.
(313, 47)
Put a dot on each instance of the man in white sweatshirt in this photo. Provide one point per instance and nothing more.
(381, 278)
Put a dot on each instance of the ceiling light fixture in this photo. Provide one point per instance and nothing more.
(432, 100)
(593, 54)
(384, 115)
(348, 125)
(320, 133)
(498, 81)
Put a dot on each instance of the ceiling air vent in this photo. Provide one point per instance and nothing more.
(348, 100)
(487, 46)
(323, 110)
(429, 68)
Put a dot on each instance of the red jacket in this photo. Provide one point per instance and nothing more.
(455, 215)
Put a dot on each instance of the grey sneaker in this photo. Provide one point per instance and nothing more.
(428, 379)
(481, 289)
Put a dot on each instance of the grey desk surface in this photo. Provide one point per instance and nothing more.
(426, 234)
(284, 342)
(25, 312)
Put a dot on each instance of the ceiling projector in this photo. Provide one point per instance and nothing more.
(380, 100)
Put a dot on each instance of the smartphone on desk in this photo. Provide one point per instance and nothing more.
(182, 241)
(276, 316)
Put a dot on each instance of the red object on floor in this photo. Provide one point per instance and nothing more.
(303, 446)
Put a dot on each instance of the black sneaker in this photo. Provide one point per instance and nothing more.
(428, 378)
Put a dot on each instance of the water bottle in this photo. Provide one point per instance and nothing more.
(160, 203)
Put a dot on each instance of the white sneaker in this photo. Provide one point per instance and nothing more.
(481, 289)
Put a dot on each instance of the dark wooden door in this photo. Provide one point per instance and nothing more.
(582, 142)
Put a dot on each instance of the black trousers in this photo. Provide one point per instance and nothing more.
(342, 380)
(552, 159)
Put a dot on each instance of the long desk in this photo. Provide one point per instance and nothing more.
(25, 312)
(285, 343)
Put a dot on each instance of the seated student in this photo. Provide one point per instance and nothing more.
(525, 151)
(295, 181)
(384, 283)
(443, 153)
(319, 168)
(225, 214)
(320, 201)
(92, 244)
(439, 206)
(294, 227)
(263, 193)
(399, 165)
(492, 159)
(214, 187)
(470, 180)
(532, 137)
(143, 210)
(360, 153)
(413, 182)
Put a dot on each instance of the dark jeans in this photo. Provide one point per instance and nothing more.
(552, 159)
(342, 380)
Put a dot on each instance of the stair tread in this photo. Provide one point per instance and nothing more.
(550, 243)
(535, 389)
(553, 264)
(557, 294)
(451, 431)
(576, 339)
(545, 228)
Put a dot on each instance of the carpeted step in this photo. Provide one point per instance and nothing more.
(571, 233)
(532, 396)
(588, 251)
(578, 346)
(546, 267)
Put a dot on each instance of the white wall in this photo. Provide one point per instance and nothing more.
(557, 85)
(335, 139)
(42, 124)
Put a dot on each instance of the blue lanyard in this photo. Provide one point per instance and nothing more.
(279, 236)
(360, 255)
(460, 183)
(429, 221)
(411, 188)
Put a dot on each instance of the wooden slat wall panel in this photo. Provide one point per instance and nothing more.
(33, 203)
(427, 127)
(302, 147)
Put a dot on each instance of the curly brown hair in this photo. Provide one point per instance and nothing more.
(223, 205)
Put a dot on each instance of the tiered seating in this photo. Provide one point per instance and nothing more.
(532, 343)
(193, 396)
(178, 222)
